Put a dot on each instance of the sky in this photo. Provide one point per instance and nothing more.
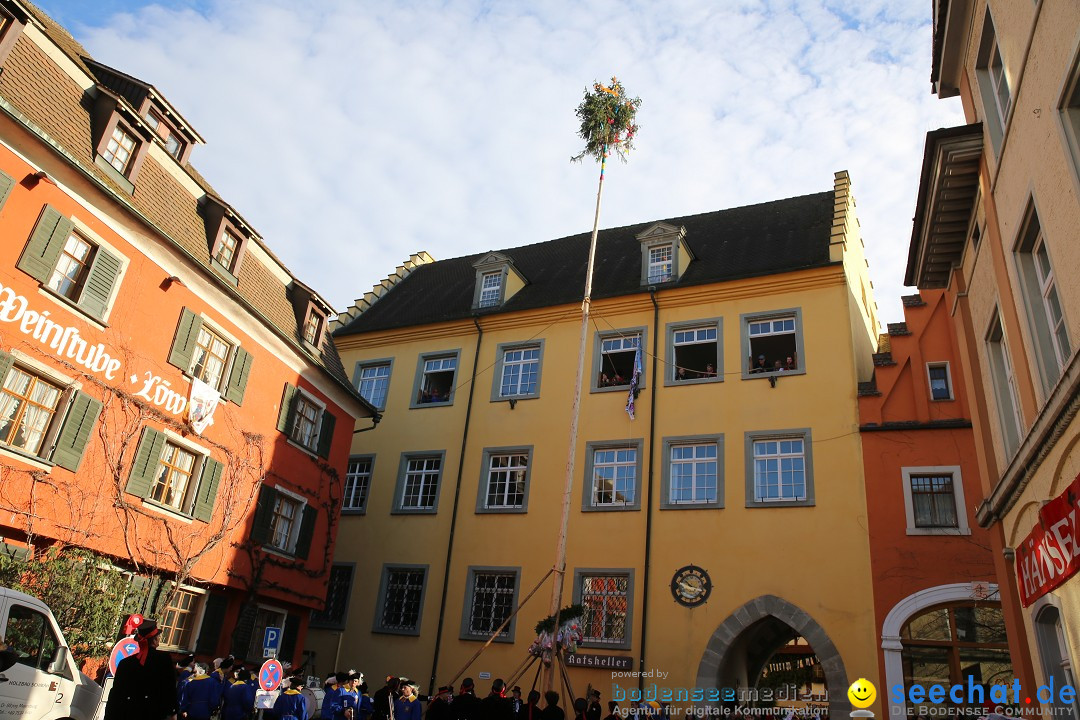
(353, 133)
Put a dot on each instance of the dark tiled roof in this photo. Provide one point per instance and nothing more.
(749, 241)
(48, 98)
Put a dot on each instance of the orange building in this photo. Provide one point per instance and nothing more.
(933, 568)
(135, 305)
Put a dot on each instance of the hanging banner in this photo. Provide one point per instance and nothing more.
(201, 405)
(1050, 554)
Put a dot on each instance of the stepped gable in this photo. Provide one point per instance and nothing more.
(750, 241)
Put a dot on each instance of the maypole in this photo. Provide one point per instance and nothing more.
(607, 116)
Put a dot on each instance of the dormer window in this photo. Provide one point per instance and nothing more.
(227, 246)
(120, 149)
(664, 254)
(497, 280)
(313, 326)
(490, 289)
(173, 144)
(660, 263)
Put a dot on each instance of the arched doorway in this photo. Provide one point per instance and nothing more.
(745, 643)
(1054, 655)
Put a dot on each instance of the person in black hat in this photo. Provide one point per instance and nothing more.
(383, 700)
(496, 706)
(145, 683)
(466, 704)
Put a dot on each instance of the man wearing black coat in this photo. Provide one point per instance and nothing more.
(496, 706)
(383, 700)
(466, 704)
(145, 683)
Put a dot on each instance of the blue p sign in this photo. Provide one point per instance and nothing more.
(272, 638)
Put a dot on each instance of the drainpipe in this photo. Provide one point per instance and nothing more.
(454, 512)
(649, 488)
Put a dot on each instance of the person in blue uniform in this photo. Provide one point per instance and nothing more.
(331, 701)
(291, 704)
(349, 696)
(239, 700)
(365, 708)
(199, 696)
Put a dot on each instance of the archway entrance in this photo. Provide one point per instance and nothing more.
(762, 639)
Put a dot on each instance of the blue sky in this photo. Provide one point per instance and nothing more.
(353, 133)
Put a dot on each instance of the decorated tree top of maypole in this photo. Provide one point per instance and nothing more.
(608, 121)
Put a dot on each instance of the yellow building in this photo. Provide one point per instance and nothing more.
(996, 227)
(723, 522)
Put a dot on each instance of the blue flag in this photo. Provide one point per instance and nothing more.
(634, 379)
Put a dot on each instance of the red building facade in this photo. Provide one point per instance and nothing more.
(937, 604)
(169, 397)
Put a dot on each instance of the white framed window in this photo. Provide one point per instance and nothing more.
(285, 520)
(313, 326)
(265, 617)
(616, 355)
(693, 474)
(773, 343)
(173, 480)
(606, 597)
(491, 289)
(401, 599)
(436, 376)
(28, 405)
(1039, 289)
(506, 483)
(1004, 383)
(306, 421)
(694, 352)
(1051, 304)
(120, 149)
(612, 476)
(357, 484)
(934, 500)
(520, 372)
(491, 595)
(227, 249)
(1069, 114)
(72, 267)
(661, 263)
(210, 356)
(940, 379)
(417, 489)
(779, 468)
(372, 381)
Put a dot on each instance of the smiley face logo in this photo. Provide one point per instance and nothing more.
(862, 693)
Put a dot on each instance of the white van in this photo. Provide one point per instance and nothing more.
(44, 683)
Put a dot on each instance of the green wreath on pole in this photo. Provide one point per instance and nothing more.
(608, 121)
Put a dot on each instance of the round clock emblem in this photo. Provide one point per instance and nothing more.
(691, 586)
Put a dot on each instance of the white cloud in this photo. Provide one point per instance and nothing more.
(351, 134)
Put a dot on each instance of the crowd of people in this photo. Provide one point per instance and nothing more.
(503, 703)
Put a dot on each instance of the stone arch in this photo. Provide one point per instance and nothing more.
(725, 638)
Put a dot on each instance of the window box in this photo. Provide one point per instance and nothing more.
(284, 522)
(934, 501)
(612, 476)
(178, 475)
(490, 596)
(72, 264)
(436, 379)
(772, 343)
(504, 480)
(400, 605)
(607, 595)
(615, 355)
(418, 483)
(517, 371)
(42, 416)
(695, 352)
(779, 468)
(372, 380)
(693, 473)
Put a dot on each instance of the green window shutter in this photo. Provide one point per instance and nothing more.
(264, 515)
(245, 628)
(307, 531)
(104, 272)
(6, 183)
(212, 624)
(287, 650)
(238, 376)
(14, 551)
(183, 347)
(6, 361)
(326, 433)
(154, 595)
(145, 466)
(43, 250)
(75, 432)
(135, 600)
(288, 407)
(208, 487)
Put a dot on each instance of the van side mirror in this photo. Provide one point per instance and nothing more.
(61, 664)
